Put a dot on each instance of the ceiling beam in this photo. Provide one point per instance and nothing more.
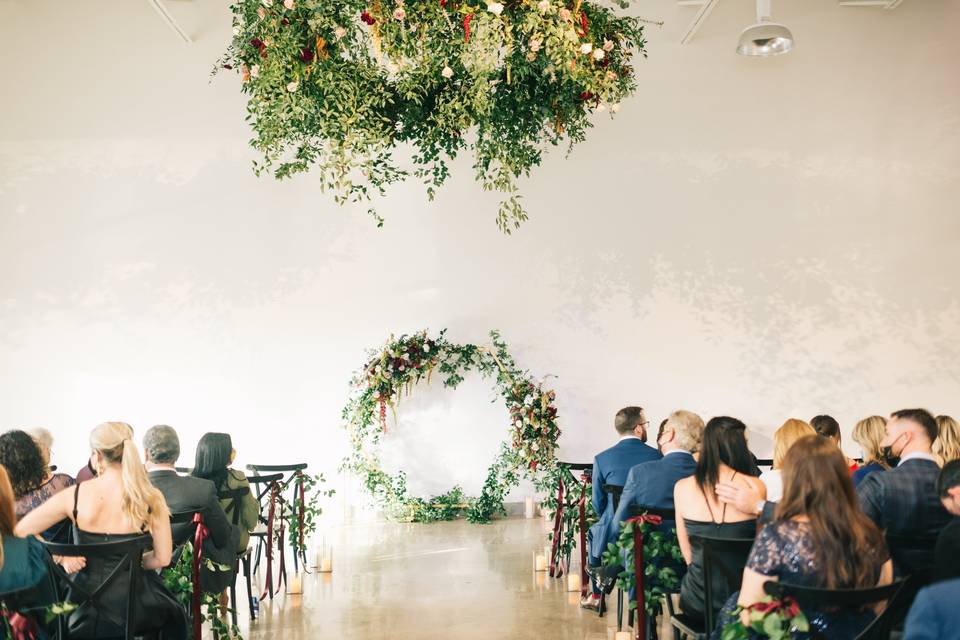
(161, 9)
(706, 6)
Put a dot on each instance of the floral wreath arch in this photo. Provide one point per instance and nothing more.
(395, 369)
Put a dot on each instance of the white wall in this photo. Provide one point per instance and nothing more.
(764, 238)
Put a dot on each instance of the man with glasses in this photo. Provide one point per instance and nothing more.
(611, 467)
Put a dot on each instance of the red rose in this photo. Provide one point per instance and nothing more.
(306, 54)
(258, 43)
(366, 17)
(793, 610)
(586, 95)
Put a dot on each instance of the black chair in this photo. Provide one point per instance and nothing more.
(820, 599)
(729, 557)
(131, 551)
(920, 551)
(586, 473)
(261, 487)
(289, 472)
(244, 557)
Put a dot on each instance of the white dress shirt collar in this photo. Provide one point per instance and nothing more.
(630, 437)
(917, 455)
(677, 451)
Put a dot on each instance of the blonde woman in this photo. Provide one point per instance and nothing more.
(869, 433)
(791, 431)
(119, 504)
(947, 445)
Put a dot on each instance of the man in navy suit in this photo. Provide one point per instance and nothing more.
(934, 614)
(904, 500)
(611, 467)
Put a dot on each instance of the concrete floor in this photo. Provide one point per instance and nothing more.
(431, 582)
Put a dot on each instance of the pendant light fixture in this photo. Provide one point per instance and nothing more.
(766, 37)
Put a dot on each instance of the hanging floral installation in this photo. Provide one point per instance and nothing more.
(394, 371)
(339, 85)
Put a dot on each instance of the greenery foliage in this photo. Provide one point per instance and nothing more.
(178, 581)
(769, 618)
(313, 492)
(663, 562)
(339, 85)
(394, 370)
(549, 485)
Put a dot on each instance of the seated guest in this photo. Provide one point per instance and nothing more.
(22, 560)
(946, 556)
(88, 472)
(934, 614)
(820, 538)
(611, 467)
(947, 445)
(828, 427)
(869, 433)
(33, 484)
(650, 484)
(119, 504)
(791, 431)
(161, 447)
(723, 456)
(904, 500)
(215, 454)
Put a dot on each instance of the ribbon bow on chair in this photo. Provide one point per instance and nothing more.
(199, 536)
(641, 624)
(268, 588)
(301, 520)
(21, 627)
(582, 504)
(555, 569)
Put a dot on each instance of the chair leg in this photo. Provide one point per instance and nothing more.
(233, 601)
(246, 575)
(603, 605)
(619, 610)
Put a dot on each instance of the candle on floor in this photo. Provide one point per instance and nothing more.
(327, 565)
(295, 585)
(548, 552)
(528, 510)
(539, 562)
(573, 582)
(623, 635)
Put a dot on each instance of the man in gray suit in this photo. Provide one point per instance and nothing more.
(161, 448)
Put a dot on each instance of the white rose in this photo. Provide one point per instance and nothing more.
(255, 71)
(598, 54)
(495, 8)
(535, 44)
(426, 347)
(236, 31)
(586, 47)
(446, 73)
(534, 447)
(339, 32)
(293, 86)
(288, 4)
(399, 13)
(565, 13)
(376, 394)
(608, 45)
(543, 5)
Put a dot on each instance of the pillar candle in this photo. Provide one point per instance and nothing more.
(573, 582)
(326, 562)
(623, 635)
(528, 510)
(295, 585)
(539, 563)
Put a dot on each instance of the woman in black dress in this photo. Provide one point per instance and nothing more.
(119, 504)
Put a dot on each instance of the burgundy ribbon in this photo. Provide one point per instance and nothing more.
(301, 517)
(641, 628)
(268, 588)
(585, 479)
(21, 626)
(199, 536)
(282, 579)
(555, 569)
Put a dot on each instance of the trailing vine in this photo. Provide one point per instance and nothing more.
(549, 485)
(313, 492)
(663, 563)
(394, 371)
(177, 580)
(339, 85)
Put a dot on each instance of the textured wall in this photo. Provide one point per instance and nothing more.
(764, 238)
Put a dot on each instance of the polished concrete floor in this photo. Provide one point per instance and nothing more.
(431, 582)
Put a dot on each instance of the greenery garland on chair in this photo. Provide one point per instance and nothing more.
(341, 84)
(178, 581)
(394, 370)
(548, 486)
(662, 557)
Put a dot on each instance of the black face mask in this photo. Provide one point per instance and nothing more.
(889, 457)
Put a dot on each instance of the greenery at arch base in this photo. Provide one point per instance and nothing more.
(394, 370)
(342, 85)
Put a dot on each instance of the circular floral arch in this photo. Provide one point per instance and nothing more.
(395, 369)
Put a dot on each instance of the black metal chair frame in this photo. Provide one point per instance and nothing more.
(878, 629)
(132, 551)
(283, 470)
(713, 548)
(261, 495)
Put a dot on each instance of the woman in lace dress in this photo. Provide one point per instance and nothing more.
(33, 483)
(819, 538)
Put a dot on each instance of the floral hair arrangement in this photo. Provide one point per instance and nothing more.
(341, 84)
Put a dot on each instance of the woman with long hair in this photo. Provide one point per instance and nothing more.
(22, 560)
(828, 427)
(724, 456)
(119, 504)
(869, 433)
(215, 454)
(947, 445)
(819, 538)
(791, 431)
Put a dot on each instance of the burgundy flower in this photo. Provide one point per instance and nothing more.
(284, 22)
(306, 54)
(586, 95)
(793, 609)
(228, 66)
(263, 52)
(366, 17)
(258, 43)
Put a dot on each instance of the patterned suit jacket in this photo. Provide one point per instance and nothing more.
(904, 502)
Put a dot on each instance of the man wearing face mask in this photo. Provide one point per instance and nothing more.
(904, 500)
